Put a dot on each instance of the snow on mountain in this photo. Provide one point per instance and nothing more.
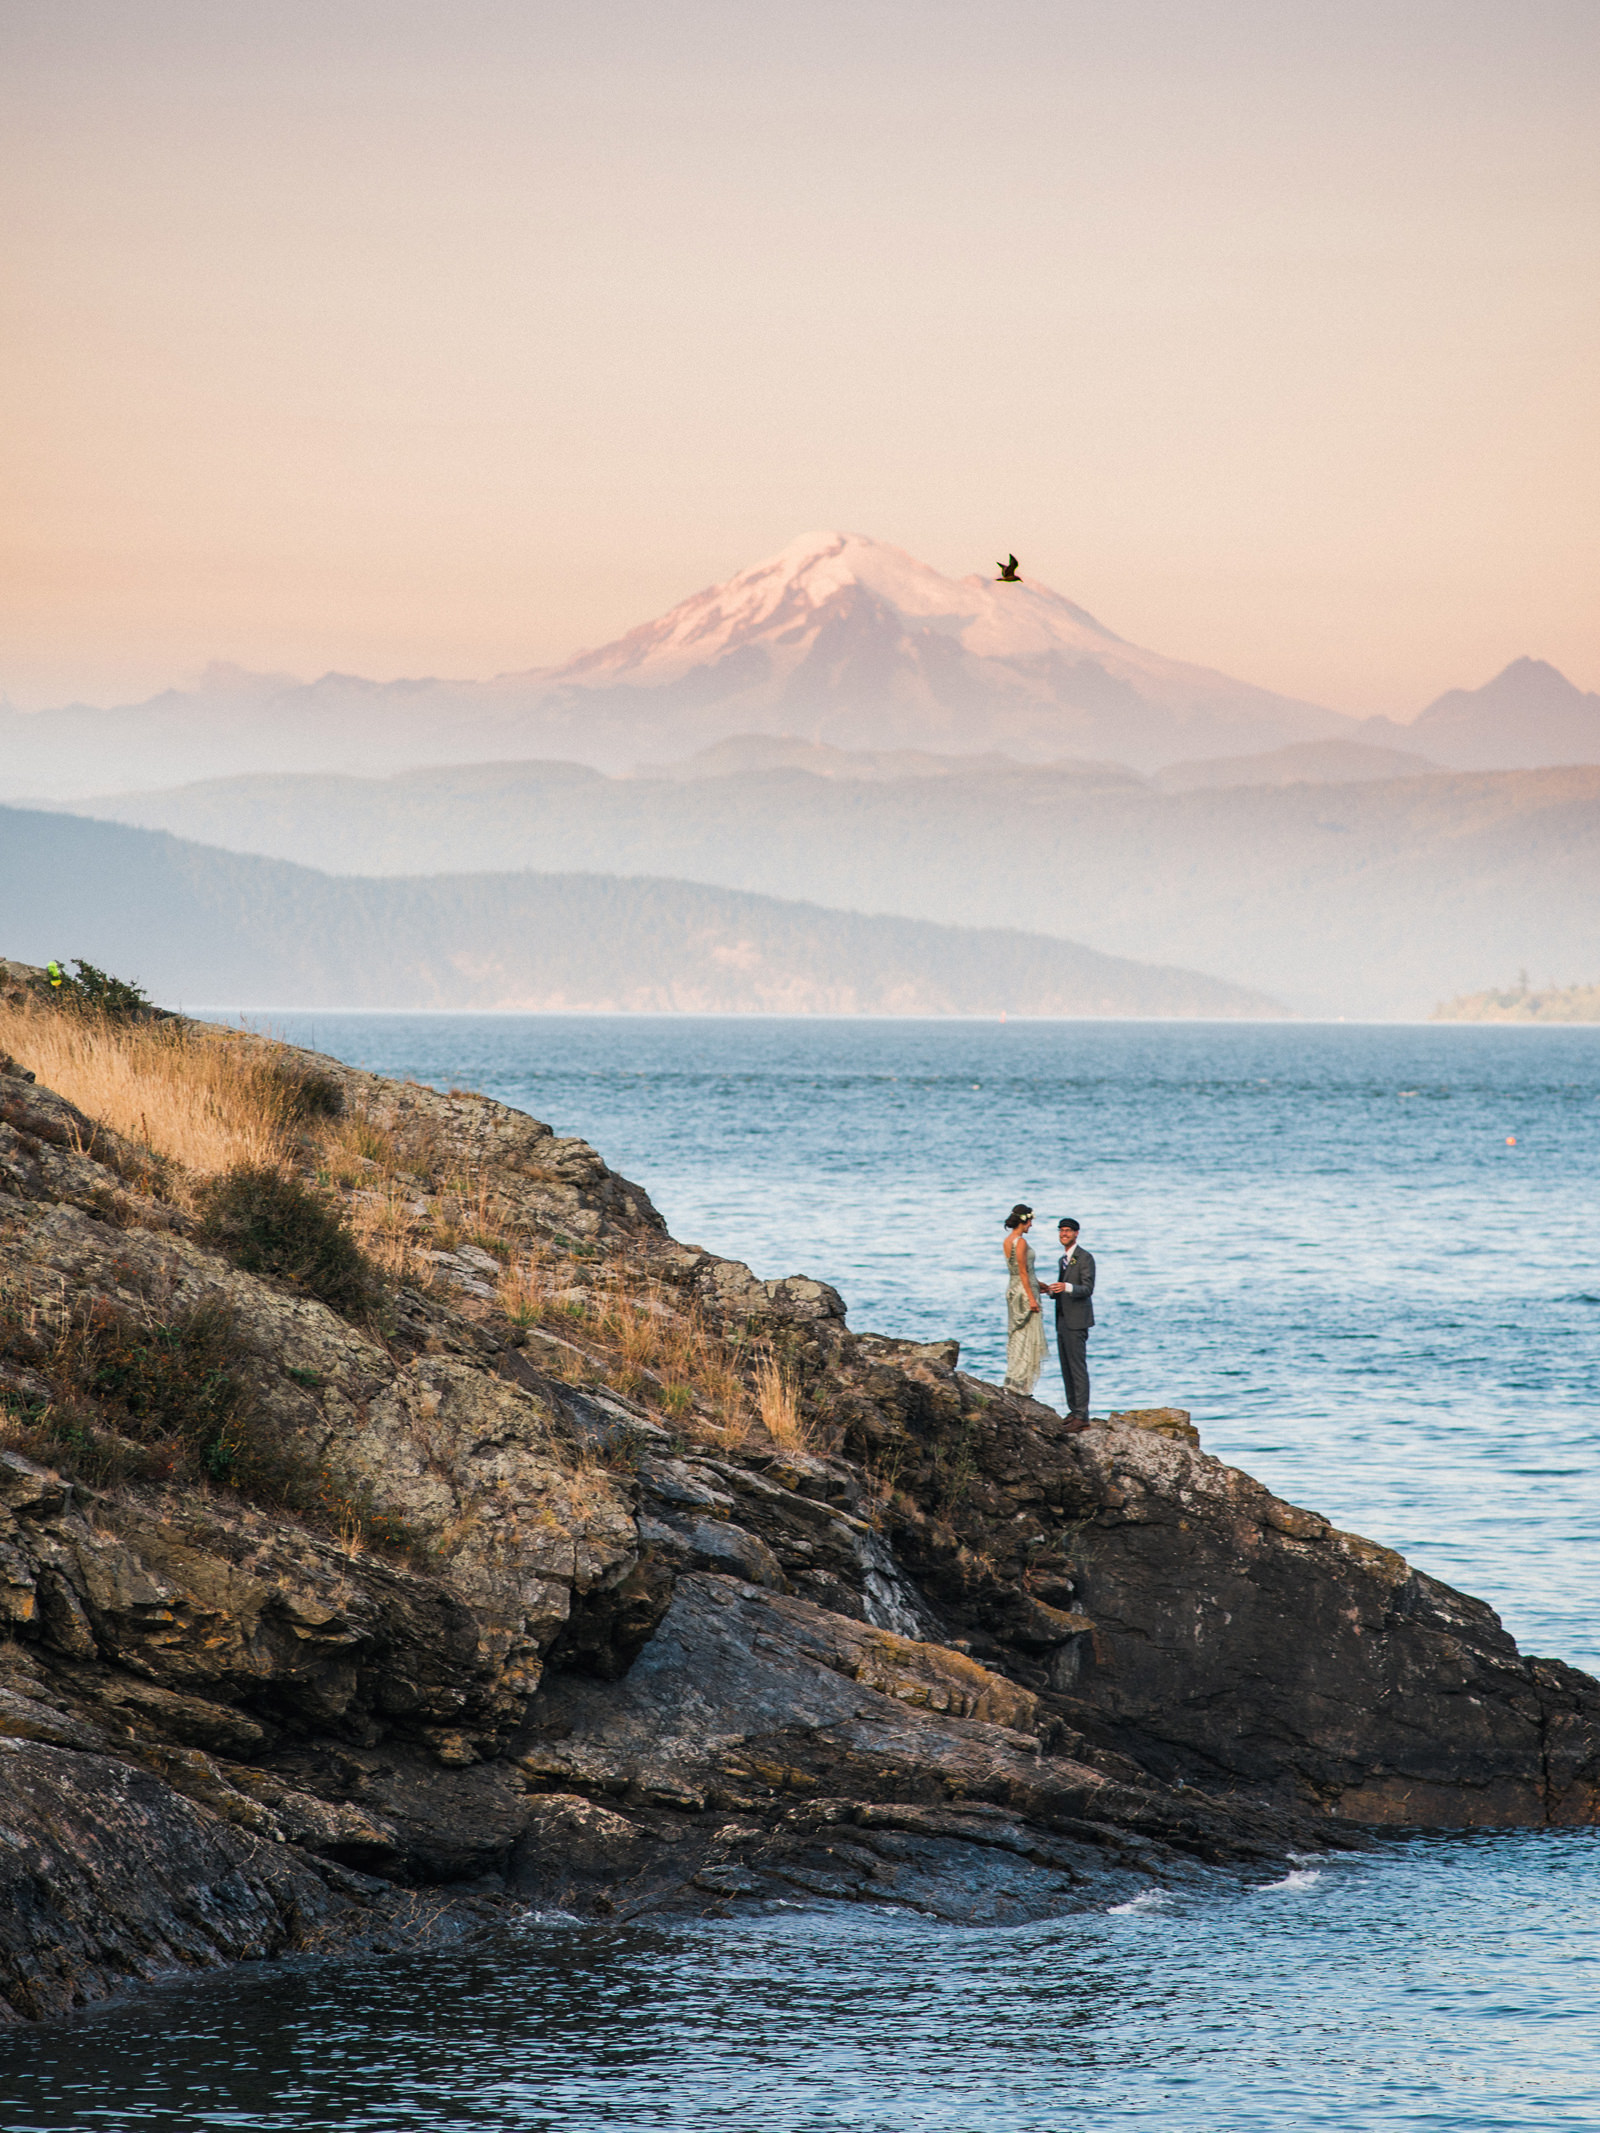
(847, 640)
(784, 601)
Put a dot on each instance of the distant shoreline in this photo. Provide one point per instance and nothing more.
(1519, 1004)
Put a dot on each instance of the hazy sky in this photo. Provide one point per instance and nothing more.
(449, 337)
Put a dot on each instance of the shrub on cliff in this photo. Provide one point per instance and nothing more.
(135, 1395)
(171, 1387)
(269, 1223)
(95, 992)
(112, 1393)
(306, 1092)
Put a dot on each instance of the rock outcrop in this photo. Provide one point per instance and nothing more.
(626, 1582)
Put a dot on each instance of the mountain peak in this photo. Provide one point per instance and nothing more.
(1531, 679)
(825, 563)
(1528, 715)
(844, 639)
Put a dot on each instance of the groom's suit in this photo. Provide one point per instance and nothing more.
(1074, 1317)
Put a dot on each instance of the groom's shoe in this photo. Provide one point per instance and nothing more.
(1075, 1423)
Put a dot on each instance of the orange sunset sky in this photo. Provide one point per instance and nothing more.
(409, 338)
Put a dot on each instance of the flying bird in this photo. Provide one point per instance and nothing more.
(1008, 572)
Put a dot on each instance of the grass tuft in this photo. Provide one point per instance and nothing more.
(778, 1404)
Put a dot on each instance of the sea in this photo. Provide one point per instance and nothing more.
(1366, 1258)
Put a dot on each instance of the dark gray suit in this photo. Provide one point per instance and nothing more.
(1074, 1317)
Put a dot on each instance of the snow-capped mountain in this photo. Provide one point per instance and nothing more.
(847, 640)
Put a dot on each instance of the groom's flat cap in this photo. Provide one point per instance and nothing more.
(1067, 1222)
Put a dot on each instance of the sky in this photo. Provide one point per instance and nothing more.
(406, 338)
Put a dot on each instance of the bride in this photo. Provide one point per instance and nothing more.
(1024, 1321)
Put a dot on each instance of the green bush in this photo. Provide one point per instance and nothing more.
(166, 1384)
(163, 1396)
(134, 1396)
(269, 1223)
(95, 992)
(307, 1092)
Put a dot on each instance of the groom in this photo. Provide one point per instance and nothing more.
(1073, 1290)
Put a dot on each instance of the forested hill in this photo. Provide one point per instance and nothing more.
(196, 926)
(1360, 898)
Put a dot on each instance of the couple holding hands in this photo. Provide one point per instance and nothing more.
(1073, 1290)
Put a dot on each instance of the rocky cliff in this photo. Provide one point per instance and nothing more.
(561, 1563)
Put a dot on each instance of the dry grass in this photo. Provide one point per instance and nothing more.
(642, 1339)
(196, 1098)
(207, 1104)
(382, 1223)
(662, 1352)
(355, 1150)
(205, 1101)
(469, 1211)
(400, 1208)
(351, 1532)
(527, 1293)
(778, 1404)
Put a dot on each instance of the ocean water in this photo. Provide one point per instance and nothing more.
(1440, 1985)
(1366, 1259)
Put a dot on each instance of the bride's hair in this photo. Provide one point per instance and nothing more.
(1018, 1215)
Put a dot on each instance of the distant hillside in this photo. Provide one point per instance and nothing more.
(1336, 762)
(197, 926)
(745, 752)
(1561, 1003)
(1362, 898)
